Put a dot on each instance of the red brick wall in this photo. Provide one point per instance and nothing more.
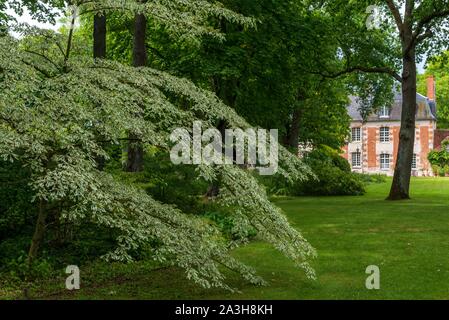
(372, 140)
(424, 140)
(395, 130)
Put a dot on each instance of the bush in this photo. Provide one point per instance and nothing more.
(435, 169)
(332, 181)
(229, 227)
(334, 176)
(372, 178)
(439, 158)
(446, 170)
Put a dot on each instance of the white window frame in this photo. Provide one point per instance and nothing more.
(384, 136)
(356, 134)
(415, 162)
(384, 112)
(356, 161)
(384, 161)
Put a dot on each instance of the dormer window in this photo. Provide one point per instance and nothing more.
(384, 112)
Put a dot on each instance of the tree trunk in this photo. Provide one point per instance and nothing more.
(214, 188)
(38, 233)
(292, 139)
(139, 48)
(402, 174)
(99, 36)
(135, 149)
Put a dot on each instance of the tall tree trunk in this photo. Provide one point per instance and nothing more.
(402, 174)
(135, 149)
(139, 48)
(38, 235)
(99, 36)
(292, 139)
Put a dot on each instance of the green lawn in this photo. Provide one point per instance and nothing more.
(408, 240)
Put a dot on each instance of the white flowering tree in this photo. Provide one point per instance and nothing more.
(57, 112)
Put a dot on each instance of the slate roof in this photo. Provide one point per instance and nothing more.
(426, 109)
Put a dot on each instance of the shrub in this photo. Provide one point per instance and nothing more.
(229, 227)
(334, 176)
(446, 170)
(435, 169)
(332, 181)
(439, 158)
(372, 178)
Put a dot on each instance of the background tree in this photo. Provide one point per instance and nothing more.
(264, 73)
(99, 35)
(419, 28)
(438, 68)
(135, 150)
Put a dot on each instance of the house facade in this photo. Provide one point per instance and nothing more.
(373, 144)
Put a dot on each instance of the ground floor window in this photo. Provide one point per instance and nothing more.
(384, 161)
(414, 162)
(356, 160)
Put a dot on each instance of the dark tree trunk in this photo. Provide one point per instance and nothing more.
(135, 149)
(135, 155)
(38, 235)
(292, 139)
(99, 36)
(402, 174)
(139, 48)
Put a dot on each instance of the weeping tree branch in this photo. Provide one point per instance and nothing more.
(44, 57)
(42, 71)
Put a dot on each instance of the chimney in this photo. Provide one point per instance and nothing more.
(431, 89)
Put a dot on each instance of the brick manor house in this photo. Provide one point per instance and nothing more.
(373, 144)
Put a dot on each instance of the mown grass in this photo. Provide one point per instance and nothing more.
(408, 240)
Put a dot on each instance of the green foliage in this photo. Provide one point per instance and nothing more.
(227, 225)
(264, 73)
(372, 178)
(173, 184)
(54, 120)
(16, 211)
(326, 155)
(333, 174)
(439, 159)
(438, 68)
(332, 182)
